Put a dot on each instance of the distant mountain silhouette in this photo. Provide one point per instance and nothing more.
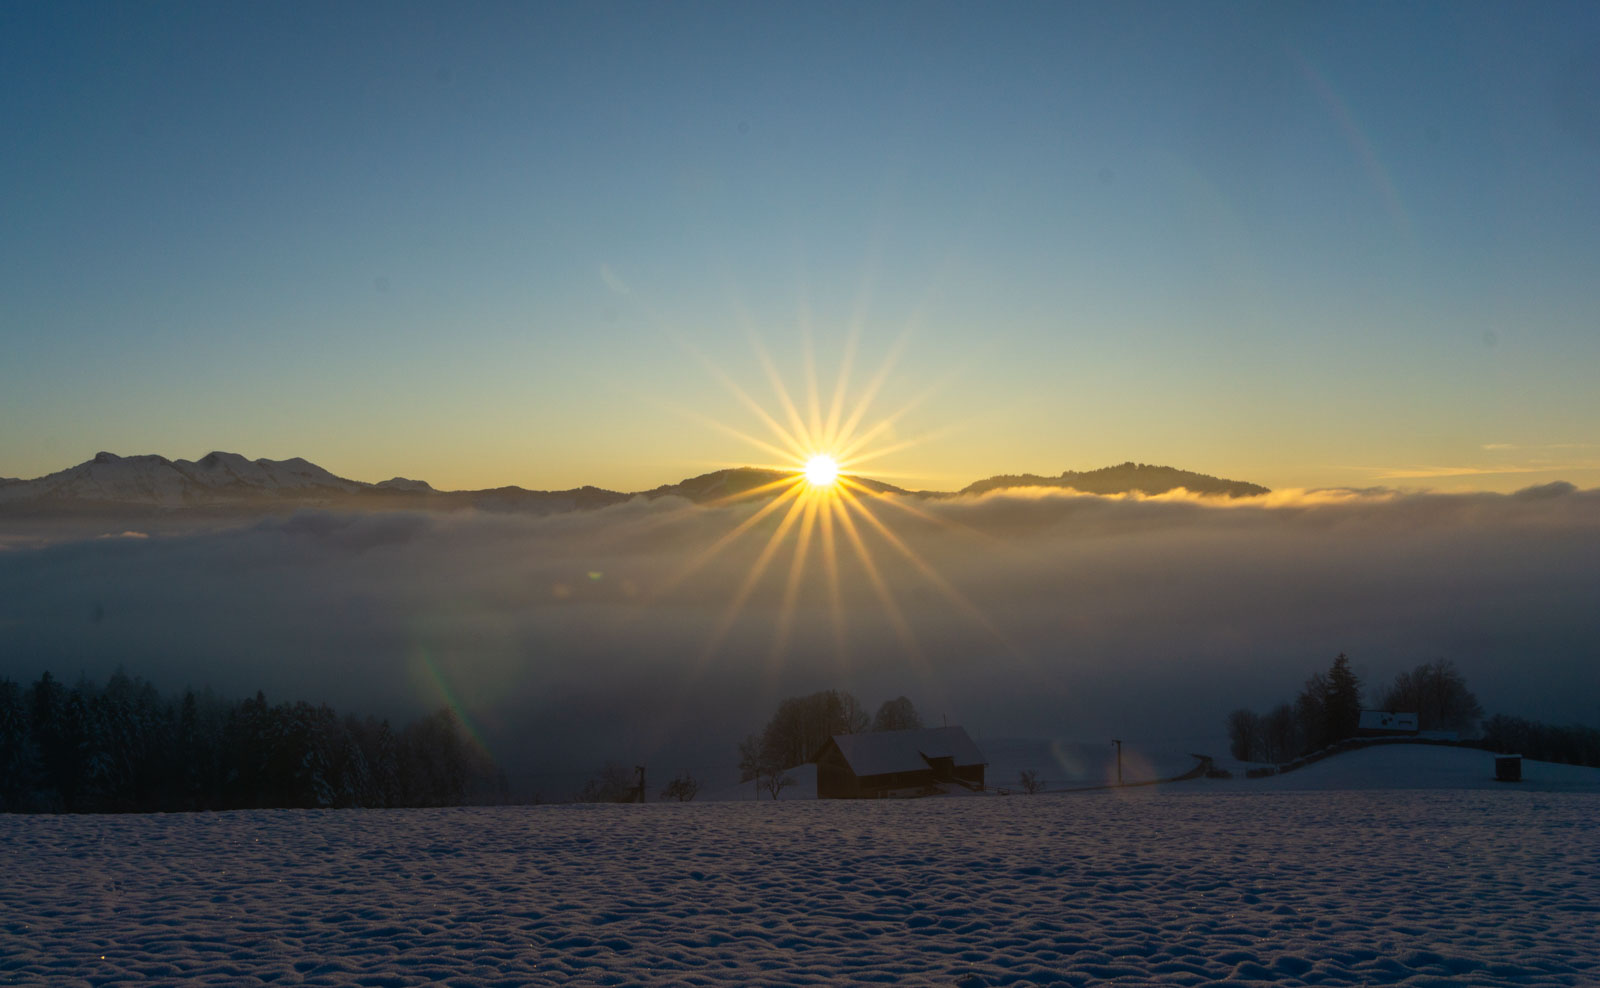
(224, 481)
(719, 484)
(730, 483)
(215, 478)
(1123, 479)
(230, 483)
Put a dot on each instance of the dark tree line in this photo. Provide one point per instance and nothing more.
(1437, 693)
(1573, 744)
(123, 747)
(1327, 710)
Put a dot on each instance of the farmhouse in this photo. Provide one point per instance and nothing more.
(897, 763)
(1381, 723)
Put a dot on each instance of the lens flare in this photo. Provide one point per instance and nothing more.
(822, 470)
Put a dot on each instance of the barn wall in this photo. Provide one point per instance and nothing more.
(835, 780)
(897, 780)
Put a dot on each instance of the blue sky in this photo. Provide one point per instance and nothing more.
(1303, 245)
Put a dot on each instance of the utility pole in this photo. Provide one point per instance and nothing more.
(1118, 743)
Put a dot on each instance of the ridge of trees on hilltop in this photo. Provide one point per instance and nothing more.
(1328, 711)
(124, 747)
(1571, 744)
(1144, 478)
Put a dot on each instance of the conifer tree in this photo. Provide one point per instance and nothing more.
(19, 756)
(1344, 700)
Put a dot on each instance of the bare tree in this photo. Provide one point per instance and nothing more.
(1244, 735)
(761, 760)
(803, 724)
(683, 788)
(777, 781)
(794, 735)
(1028, 781)
(897, 715)
(1437, 693)
(613, 783)
(750, 762)
(1279, 735)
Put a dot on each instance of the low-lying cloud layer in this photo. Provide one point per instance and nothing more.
(572, 638)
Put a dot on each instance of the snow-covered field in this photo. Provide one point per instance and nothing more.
(1199, 884)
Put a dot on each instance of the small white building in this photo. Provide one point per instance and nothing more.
(1382, 723)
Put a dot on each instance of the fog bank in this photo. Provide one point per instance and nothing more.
(571, 638)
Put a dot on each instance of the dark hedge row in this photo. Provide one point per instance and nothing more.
(1572, 744)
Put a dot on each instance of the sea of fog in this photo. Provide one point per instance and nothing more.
(644, 633)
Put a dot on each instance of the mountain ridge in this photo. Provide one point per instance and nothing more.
(221, 479)
(1124, 478)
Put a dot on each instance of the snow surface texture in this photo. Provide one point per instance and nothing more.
(1133, 887)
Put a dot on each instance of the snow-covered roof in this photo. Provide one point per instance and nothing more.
(881, 752)
(1382, 720)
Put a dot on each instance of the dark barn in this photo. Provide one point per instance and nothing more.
(897, 763)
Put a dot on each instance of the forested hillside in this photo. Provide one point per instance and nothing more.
(124, 747)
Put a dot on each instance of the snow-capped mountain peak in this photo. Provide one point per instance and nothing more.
(217, 477)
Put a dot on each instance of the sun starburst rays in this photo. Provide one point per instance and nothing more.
(817, 497)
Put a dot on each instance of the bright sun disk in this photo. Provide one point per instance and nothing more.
(822, 470)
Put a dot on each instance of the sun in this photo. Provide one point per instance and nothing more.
(817, 496)
(822, 470)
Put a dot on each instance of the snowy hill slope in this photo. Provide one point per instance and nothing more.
(1411, 766)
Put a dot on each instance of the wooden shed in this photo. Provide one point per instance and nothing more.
(897, 763)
